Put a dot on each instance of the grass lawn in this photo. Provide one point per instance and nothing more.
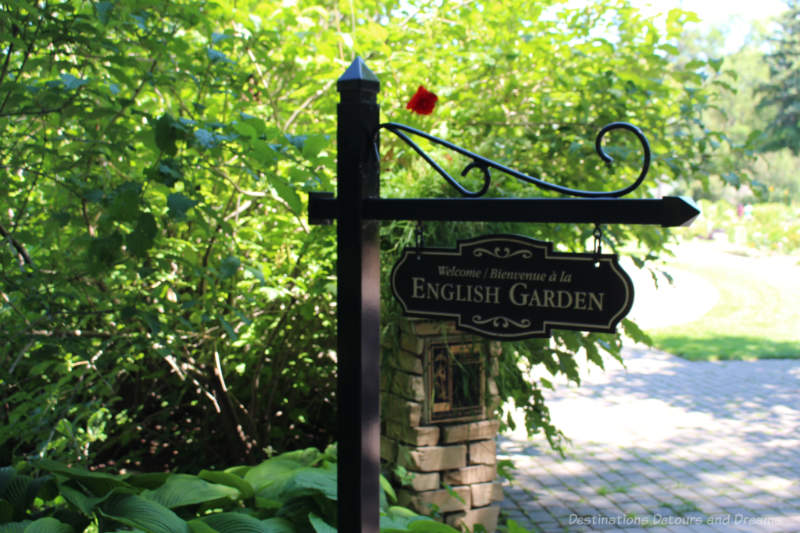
(751, 320)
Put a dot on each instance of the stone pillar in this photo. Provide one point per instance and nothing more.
(437, 396)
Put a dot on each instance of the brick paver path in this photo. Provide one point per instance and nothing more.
(666, 446)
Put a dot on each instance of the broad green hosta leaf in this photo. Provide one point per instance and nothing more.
(15, 527)
(98, 482)
(150, 480)
(302, 482)
(6, 511)
(320, 525)
(48, 525)
(421, 525)
(136, 511)
(226, 478)
(242, 523)
(268, 471)
(198, 526)
(184, 489)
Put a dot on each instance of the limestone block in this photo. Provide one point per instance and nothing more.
(482, 452)
(495, 349)
(494, 403)
(419, 436)
(412, 343)
(405, 385)
(486, 516)
(471, 474)
(405, 361)
(400, 410)
(432, 458)
(492, 387)
(423, 481)
(423, 502)
(484, 429)
(388, 449)
(486, 493)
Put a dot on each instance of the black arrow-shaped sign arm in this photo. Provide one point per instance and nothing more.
(667, 212)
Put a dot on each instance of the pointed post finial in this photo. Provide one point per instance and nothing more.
(358, 78)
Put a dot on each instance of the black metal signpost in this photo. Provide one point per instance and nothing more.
(589, 291)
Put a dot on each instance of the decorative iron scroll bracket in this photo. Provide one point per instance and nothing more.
(486, 165)
(595, 207)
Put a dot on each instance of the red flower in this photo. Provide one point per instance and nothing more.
(422, 102)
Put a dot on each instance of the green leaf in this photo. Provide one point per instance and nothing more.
(387, 488)
(149, 480)
(634, 332)
(429, 526)
(166, 134)
(228, 329)
(244, 129)
(267, 472)
(136, 511)
(79, 500)
(263, 152)
(198, 526)
(48, 525)
(7, 473)
(71, 82)
(141, 239)
(216, 56)
(125, 202)
(278, 525)
(732, 179)
(286, 192)
(184, 489)
(99, 483)
(513, 527)
(313, 145)
(179, 204)
(167, 171)
(398, 518)
(6, 511)
(229, 266)
(104, 251)
(104, 10)
(320, 525)
(20, 494)
(15, 527)
(242, 523)
(205, 138)
(225, 478)
(420, 524)
(302, 482)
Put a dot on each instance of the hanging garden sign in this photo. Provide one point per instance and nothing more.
(512, 287)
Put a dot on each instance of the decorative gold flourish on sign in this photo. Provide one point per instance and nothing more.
(502, 253)
(501, 321)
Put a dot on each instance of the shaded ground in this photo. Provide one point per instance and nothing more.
(666, 444)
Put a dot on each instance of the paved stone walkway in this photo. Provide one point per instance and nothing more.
(666, 445)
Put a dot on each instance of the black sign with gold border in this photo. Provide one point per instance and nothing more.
(512, 287)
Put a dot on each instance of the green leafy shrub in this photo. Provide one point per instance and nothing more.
(164, 303)
(294, 492)
(765, 226)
